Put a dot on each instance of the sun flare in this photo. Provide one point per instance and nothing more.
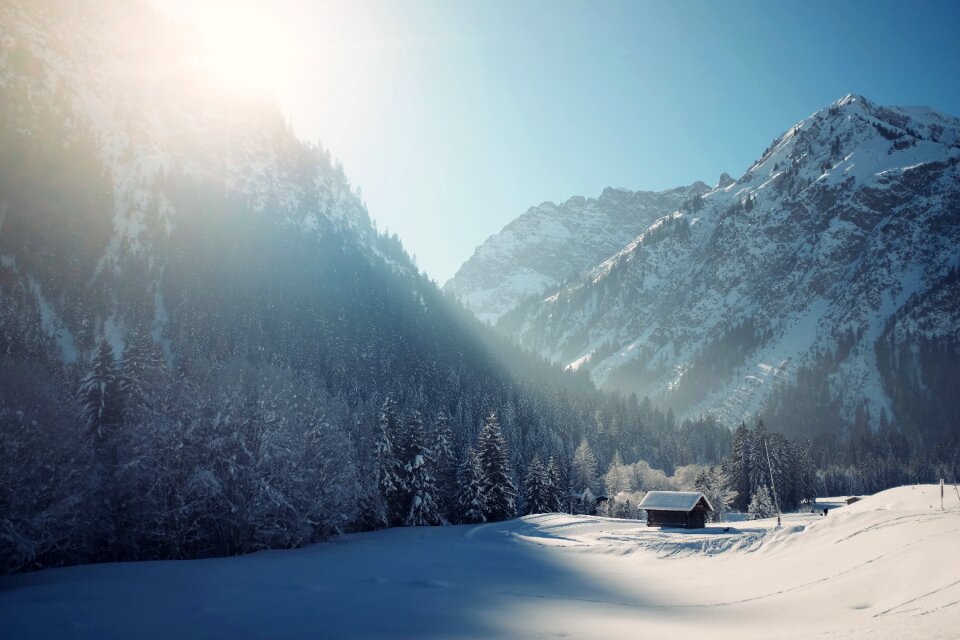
(245, 47)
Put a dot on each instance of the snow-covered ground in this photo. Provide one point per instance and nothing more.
(885, 567)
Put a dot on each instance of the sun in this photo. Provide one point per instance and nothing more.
(244, 46)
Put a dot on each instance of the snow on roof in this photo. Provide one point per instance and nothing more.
(673, 500)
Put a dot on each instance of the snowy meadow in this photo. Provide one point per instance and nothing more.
(881, 568)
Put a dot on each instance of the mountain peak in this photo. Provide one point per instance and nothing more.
(725, 181)
(845, 218)
(851, 98)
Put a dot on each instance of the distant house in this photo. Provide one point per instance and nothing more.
(853, 499)
(684, 509)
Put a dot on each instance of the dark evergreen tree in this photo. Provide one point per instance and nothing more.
(536, 488)
(419, 481)
(782, 466)
(739, 467)
(499, 491)
(386, 467)
(143, 375)
(557, 485)
(472, 507)
(805, 475)
(759, 467)
(101, 401)
(445, 466)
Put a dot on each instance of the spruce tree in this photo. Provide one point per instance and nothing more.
(143, 373)
(584, 475)
(618, 477)
(557, 486)
(386, 465)
(423, 509)
(471, 504)
(781, 465)
(761, 505)
(759, 469)
(102, 410)
(536, 488)
(739, 474)
(101, 401)
(445, 467)
(500, 494)
(805, 474)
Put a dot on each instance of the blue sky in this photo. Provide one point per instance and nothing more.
(455, 117)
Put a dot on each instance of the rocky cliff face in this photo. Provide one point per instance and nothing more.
(814, 283)
(551, 244)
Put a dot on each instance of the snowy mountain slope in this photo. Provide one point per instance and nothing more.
(550, 244)
(119, 77)
(123, 156)
(876, 569)
(800, 265)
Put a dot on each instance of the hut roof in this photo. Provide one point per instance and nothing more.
(673, 500)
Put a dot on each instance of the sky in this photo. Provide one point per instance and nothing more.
(454, 117)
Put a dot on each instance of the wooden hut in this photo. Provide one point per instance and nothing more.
(682, 509)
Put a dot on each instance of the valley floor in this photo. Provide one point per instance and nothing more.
(886, 567)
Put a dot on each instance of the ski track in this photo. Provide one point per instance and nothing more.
(920, 597)
(892, 523)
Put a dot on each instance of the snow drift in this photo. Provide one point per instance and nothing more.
(882, 568)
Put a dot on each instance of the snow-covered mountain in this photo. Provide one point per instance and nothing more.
(105, 97)
(823, 282)
(550, 244)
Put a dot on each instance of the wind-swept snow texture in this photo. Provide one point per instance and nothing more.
(885, 567)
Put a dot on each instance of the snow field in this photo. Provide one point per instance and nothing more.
(885, 567)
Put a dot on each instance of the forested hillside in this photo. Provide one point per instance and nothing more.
(204, 340)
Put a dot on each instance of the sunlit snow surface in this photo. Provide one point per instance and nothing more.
(886, 567)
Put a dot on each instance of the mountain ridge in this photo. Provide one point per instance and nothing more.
(843, 219)
(520, 260)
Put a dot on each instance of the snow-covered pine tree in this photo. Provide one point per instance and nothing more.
(761, 505)
(386, 465)
(329, 488)
(713, 484)
(805, 473)
(739, 474)
(471, 504)
(423, 510)
(618, 477)
(101, 401)
(584, 476)
(781, 464)
(759, 469)
(143, 372)
(536, 488)
(559, 496)
(445, 473)
(500, 494)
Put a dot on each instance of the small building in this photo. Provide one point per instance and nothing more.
(853, 499)
(683, 509)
